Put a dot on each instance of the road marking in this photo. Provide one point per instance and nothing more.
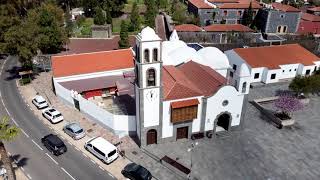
(84, 155)
(52, 159)
(24, 133)
(69, 143)
(63, 138)
(110, 175)
(37, 145)
(93, 161)
(22, 168)
(4, 105)
(28, 175)
(9, 153)
(101, 168)
(77, 148)
(67, 173)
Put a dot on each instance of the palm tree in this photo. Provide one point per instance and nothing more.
(7, 133)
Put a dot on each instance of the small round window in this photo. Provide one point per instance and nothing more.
(225, 102)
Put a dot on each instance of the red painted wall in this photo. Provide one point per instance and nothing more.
(92, 93)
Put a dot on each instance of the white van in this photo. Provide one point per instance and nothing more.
(102, 149)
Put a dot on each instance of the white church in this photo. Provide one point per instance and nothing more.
(179, 92)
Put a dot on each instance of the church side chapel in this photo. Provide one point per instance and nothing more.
(181, 92)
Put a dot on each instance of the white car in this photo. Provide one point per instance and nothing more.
(102, 149)
(52, 115)
(39, 102)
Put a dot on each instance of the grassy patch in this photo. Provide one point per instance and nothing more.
(84, 28)
(127, 7)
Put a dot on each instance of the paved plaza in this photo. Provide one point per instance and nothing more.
(259, 151)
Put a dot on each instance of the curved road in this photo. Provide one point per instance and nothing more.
(35, 160)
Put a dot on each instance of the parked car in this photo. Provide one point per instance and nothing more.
(102, 149)
(39, 102)
(134, 171)
(53, 115)
(54, 144)
(74, 130)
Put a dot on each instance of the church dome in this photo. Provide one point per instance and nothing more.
(181, 55)
(244, 70)
(214, 58)
(148, 34)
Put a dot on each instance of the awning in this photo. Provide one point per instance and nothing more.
(184, 103)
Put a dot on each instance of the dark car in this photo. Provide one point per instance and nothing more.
(134, 171)
(54, 144)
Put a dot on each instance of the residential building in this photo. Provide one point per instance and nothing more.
(177, 92)
(223, 11)
(271, 64)
(309, 24)
(278, 18)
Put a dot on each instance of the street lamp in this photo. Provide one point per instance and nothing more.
(190, 149)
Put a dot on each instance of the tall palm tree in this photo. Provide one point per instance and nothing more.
(7, 133)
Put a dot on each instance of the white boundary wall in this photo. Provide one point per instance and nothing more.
(120, 124)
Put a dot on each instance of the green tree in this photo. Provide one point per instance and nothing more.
(69, 23)
(8, 132)
(88, 7)
(124, 36)
(99, 17)
(52, 34)
(213, 16)
(247, 17)
(134, 18)
(22, 41)
(151, 13)
(163, 4)
(108, 16)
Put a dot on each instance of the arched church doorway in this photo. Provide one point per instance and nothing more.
(223, 122)
(152, 137)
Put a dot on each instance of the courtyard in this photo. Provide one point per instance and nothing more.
(259, 150)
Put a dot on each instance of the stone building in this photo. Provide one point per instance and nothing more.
(278, 18)
(226, 11)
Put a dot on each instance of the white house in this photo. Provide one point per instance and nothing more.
(271, 64)
(178, 91)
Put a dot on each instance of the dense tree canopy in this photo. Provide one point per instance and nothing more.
(247, 17)
(114, 6)
(99, 17)
(134, 18)
(124, 37)
(151, 13)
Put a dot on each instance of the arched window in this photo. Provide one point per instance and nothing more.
(155, 54)
(146, 55)
(244, 87)
(151, 77)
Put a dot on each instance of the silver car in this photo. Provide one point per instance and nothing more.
(74, 130)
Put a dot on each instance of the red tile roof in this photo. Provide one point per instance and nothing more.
(227, 27)
(176, 85)
(284, 7)
(203, 77)
(273, 56)
(310, 17)
(188, 27)
(306, 27)
(87, 45)
(314, 9)
(240, 5)
(184, 103)
(189, 80)
(200, 4)
(223, 1)
(69, 65)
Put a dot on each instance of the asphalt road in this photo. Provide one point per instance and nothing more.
(31, 155)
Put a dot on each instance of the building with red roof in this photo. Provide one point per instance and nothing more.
(178, 92)
(228, 11)
(314, 10)
(309, 24)
(274, 63)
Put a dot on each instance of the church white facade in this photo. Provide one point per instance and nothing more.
(181, 92)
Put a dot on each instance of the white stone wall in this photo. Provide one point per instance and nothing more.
(151, 107)
(289, 71)
(215, 107)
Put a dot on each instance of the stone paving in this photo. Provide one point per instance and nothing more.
(259, 151)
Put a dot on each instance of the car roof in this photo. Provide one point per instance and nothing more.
(39, 98)
(55, 112)
(102, 144)
(54, 139)
(74, 126)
